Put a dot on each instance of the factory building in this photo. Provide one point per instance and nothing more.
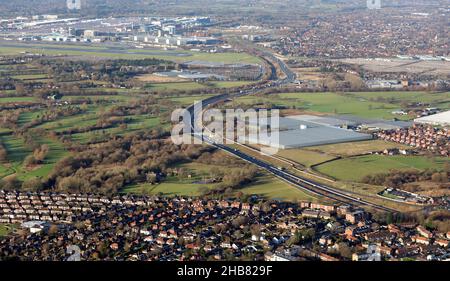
(177, 40)
(440, 119)
(296, 132)
(308, 130)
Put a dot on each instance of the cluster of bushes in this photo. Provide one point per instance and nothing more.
(397, 179)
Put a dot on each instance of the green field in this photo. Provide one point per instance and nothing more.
(190, 86)
(363, 105)
(7, 92)
(56, 152)
(188, 100)
(15, 147)
(305, 157)
(17, 99)
(275, 189)
(5, 229)
(139, 122)
(265, 185)
(355, 148)
(355, 168)
(17, 152)
(179, 86)
(26, 117)
(441, 100)
(171, 187)
(118, 91)
(30, 77)
(230, 84)
(103, 52)
(174, 186)
(82, 120)
(5, 171)
(110, 98)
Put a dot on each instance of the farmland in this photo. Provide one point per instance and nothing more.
(379, 105)
(355, 168)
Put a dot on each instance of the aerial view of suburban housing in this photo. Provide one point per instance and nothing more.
(219, 130)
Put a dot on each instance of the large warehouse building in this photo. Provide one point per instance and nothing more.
(304, 131)
(440, 119)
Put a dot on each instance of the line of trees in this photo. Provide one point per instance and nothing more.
(397, 179)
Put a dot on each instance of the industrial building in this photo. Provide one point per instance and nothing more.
(440, 119)
(303, 131)
(176, 40)
(192, 75)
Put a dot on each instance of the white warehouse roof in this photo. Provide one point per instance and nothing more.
(294, 132)
(442, 119)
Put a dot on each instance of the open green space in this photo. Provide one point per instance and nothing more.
(30, 76)
(434, 98)
(17, 99)
(355, 168)
(5, 131)
(191, 185)
(305, 157)
(265, 185)
(188, 100)
(5, 229)
(17, 151)
(115, 53)
(354, 148)
(26, 117)
(5, 171)
(110, 98)
(76, 121)
(190, 86)
(180, 86)
(56, 152)
(15, 147)
(137, 123)
(114, 90)
(275, 189)
(365, 105)
(230, 84)
(7, 92)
